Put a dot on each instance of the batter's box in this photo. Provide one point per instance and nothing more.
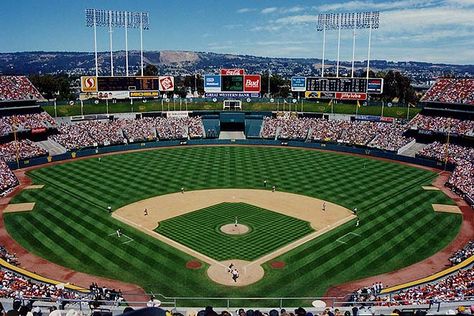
(347, 237)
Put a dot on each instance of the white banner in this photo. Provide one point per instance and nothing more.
(109, 95)
(177, 114)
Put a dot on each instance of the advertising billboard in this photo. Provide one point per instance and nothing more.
(232, 72)
(212, 83)
(166, 83)
(144, 94)
(109, 95)
(298, 84)
(375, 85)
(89, 84)
(252, 83)
(232, 83)
(351, 96)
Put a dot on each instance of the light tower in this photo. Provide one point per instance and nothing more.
(113, 19)
(350, 21)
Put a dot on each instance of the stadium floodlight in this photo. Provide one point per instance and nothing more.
(350, 21)
(117, 19)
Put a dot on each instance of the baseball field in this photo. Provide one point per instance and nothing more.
(70, 224)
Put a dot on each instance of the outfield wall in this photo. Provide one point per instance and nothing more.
(160, 144)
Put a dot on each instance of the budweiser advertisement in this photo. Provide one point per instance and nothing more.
(351, 96)
(252, 83)
(166, 83)
(232, 72)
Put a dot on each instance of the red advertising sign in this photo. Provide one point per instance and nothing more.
(252, 83)
(38, 130)
(232, 72)
(166, 83)
(351, 96)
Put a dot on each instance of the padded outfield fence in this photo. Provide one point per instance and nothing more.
(157, 144)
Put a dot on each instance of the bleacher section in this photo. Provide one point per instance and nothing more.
(18, 88)
(451, 91)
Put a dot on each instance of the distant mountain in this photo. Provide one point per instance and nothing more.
(185, 63)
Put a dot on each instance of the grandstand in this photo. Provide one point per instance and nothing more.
(30, 137)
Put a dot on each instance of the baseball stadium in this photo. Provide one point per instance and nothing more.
(242, 210)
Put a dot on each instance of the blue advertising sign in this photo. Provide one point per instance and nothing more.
(298, 84)
(212, 83)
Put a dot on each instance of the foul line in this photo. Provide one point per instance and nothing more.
(171, 242)
(350, 233)
(130, 239)
(299, 242)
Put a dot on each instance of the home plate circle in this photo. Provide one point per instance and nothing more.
(234, 229)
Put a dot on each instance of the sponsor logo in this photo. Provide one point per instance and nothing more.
(166, 83)
(298, 84)
(252, 83)
(351, 96)
(231, 95)
(144, 94)
(88, 84)
(232, 72)
(212, 83)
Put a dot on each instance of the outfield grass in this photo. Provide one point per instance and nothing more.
(321, 107)
(199, 230)
(70, 224)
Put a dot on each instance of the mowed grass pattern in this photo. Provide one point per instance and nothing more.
(70, 224)
(200, 230)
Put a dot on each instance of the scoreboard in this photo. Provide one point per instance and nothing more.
(125, 87)
(232, 83)
(127, 83)
(348, 85)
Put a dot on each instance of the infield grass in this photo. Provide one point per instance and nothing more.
(70, 224)
(200, 230)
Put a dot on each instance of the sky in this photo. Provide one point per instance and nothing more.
(410, 30)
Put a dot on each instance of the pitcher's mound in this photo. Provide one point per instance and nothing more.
(232, 229)
(248, 274)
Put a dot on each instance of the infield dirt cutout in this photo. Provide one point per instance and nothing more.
(163, 207)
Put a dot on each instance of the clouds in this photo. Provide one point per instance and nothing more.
(425, 30)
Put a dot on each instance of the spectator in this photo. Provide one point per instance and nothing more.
(18, 88)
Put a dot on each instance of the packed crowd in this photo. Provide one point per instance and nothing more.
(8, 257)
(17, 88)
(367, 294)
(454, 287)
(25, 122)
(103, 133)
(17, 286)
(449, 90)
(440, 124)
(462, 254)
(7, 179)
(382, 135)
(462, 179)
(25, 148)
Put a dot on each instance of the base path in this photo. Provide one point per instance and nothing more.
(322, 215)
(427, 267)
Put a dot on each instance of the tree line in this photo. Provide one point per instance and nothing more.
(397, 86)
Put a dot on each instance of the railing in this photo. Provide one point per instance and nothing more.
(183, 304)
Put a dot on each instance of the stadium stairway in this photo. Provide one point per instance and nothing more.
(412, 150)
(52, 147)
